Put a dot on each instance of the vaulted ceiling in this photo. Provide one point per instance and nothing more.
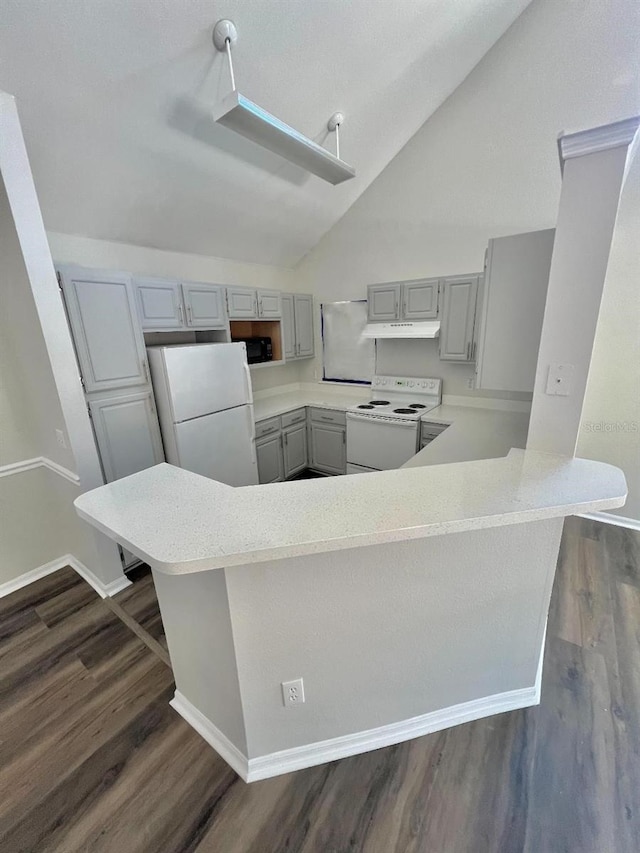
(115, 98)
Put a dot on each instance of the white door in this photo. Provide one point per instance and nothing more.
(288, 326)
(458, 317)
(159, 304)
(269, 304)
(127, 433)
(295, 449)
(304, 325)
(242, 302)
(220, 446)
(420, 299)
(383, 301)
(327, 448)
(105, 327)
(204, 378)
(269, 454)
(205, 306)
(380, 443)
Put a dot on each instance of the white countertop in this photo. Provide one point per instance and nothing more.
(474, 433)
(269, 404)
(180, 522)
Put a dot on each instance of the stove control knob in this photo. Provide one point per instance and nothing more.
(411, 384)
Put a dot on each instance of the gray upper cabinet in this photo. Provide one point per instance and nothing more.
(383, 301)
(403, 300)
(295, 449)
(303, 309)
(420, 299)
(204, 305)
(249, 303)
(127, 433)
(513, 305)
(159, 304)
(242, 303)
(108, 338)
(269, 305)
(297, 325)
(269, 455)
(288, 327)
(458, 317)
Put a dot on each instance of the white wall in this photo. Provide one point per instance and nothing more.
(40, 391)
(103, 254)
(610, 429)
(486, 163)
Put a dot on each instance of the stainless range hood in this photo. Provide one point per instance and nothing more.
(419, 329)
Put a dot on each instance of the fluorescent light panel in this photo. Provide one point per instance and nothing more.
(248, 119)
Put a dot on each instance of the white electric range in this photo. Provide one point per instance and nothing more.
(384, 433)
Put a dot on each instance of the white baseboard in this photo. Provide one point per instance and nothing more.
(32, 576)
(212, 735)
(39, 462)
(103, 590)
(616, 520)
(321, 752)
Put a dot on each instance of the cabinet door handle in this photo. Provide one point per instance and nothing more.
(182, 323)
(468, 351)
(257, 308)
(286, 438)
(145, 370)
(189, 313)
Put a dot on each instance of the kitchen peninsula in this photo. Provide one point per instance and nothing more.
(407, 600)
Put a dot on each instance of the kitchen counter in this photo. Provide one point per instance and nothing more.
(270, 405)
(179, 522)
(474, 433)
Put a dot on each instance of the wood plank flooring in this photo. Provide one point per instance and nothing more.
(92, 758)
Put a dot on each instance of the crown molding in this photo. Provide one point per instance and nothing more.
(597, 139)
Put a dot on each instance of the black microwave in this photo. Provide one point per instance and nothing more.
(258, 349)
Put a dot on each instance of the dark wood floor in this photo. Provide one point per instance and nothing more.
(93, 759)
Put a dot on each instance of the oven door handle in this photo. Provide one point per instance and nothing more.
(381, 420)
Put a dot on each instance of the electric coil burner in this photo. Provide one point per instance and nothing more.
(383, 433)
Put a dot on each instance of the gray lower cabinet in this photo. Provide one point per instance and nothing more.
(457, 319)
(204, 304)
(127, 433)
(159, 304)
(297, 325)
(295, 449)
(328, 447)
(104, 323)
(270, 461)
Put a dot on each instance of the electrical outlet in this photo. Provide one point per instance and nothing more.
(293, 693)
(471, 383)
(560, 380)
(62, 441)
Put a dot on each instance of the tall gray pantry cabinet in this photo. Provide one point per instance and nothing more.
(114, 372)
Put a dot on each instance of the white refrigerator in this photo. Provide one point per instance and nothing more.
(205, 407)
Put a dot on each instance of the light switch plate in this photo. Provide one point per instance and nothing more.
(560, 380)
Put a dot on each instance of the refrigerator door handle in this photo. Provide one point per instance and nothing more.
(252, 433)
(249, 389)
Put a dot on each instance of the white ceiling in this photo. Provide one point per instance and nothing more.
(115, 95)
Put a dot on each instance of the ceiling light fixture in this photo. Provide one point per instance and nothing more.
(248, 119)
